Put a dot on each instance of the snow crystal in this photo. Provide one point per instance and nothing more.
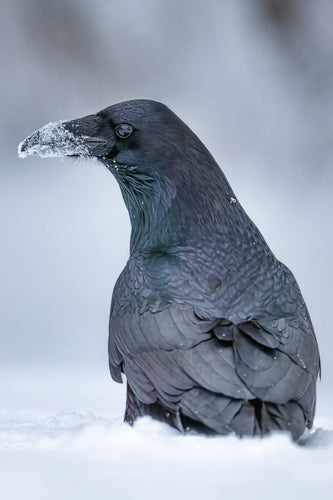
(54, 139)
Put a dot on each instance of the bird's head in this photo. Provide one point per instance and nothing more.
(160, 164)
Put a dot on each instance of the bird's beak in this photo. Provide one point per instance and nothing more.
(65, 138)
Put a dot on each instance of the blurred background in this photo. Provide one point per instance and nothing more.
(254, 80)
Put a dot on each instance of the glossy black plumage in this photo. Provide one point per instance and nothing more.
(208, 326)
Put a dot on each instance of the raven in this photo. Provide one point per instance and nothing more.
(209, 328)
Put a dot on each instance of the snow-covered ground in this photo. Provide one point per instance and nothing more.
(62, 437)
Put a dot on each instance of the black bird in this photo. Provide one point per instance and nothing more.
(210, 329)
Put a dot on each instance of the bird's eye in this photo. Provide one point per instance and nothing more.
(124, 130)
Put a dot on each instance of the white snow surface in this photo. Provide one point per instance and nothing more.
(53, 140)
(62, 437)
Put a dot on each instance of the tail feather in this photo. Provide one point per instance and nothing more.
(210, 413)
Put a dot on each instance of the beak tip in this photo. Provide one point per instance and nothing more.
(53, 140)
(22, 149)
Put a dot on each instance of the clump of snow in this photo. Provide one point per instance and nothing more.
(54, 139)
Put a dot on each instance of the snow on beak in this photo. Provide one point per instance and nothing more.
(54, 139)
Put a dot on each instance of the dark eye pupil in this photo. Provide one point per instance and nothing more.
(124, 130)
